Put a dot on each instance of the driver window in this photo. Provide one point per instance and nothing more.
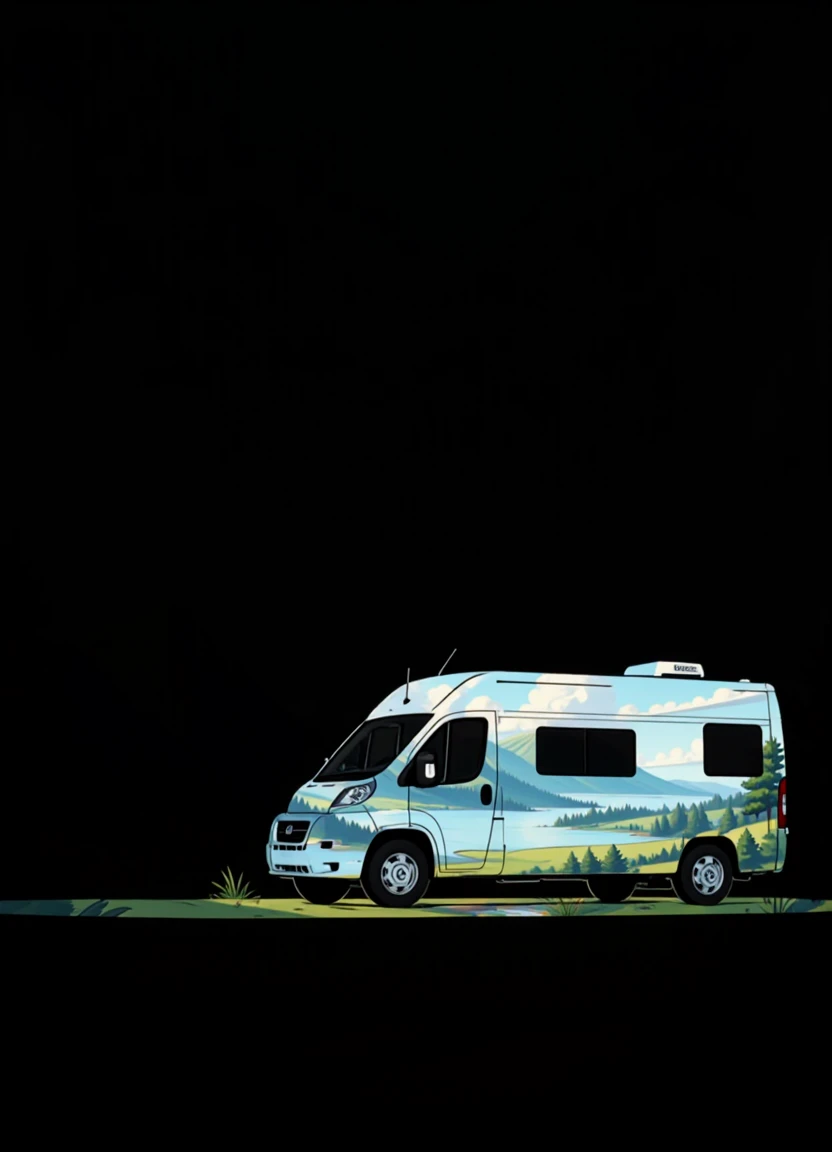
(458, 748)
(438, 745)
(466, 750)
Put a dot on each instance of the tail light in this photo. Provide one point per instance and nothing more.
(781, 805)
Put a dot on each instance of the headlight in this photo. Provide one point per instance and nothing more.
(357, 795)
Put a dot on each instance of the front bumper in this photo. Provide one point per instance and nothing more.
(313, 862)
(326, 848)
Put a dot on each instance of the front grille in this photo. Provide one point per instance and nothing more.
(292, 831)
(292, 868)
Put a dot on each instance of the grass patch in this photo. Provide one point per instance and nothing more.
(231, 889)
(560, 907)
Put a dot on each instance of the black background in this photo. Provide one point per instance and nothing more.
(345, 335)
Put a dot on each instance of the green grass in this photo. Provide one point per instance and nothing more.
(214, 908)
(352, 909)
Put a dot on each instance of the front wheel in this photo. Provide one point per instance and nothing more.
(612, 889)
(704, 877)
(396, 874)
(322, 891)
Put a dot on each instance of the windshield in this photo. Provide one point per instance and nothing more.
(373, 747)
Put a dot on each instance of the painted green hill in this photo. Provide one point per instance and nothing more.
(519, 792)
(521, 783)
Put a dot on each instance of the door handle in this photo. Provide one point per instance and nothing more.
(486, 794)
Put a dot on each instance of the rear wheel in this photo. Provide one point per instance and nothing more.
(612, 889)
(316, 891)
(397, 874)
(705, 876)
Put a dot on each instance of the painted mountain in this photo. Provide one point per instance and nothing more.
(521, 790)
(515, 749)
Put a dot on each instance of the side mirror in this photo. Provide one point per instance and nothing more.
(426, 775)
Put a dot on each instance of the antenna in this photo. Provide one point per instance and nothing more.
(447, 662)
(407, 689)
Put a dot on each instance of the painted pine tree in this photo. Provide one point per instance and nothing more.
(728, 821)
(614, 861)
(774, 764)
(762, 790)
(748, 852)
(768, 846)
(692, 827)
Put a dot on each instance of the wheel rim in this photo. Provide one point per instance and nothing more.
(708, 876)
(399, 874)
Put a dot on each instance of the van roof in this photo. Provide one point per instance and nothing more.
(499, 691)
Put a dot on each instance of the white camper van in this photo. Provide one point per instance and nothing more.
(619, 780)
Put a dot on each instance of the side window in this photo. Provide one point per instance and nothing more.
(733, 750)
(438, 745)
(604, 752)
(561, 751)
(466, 750)
(610, 752)
(458, 748)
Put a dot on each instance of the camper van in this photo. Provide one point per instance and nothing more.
(624, 781)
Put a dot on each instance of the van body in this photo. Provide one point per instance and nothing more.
(620, 780)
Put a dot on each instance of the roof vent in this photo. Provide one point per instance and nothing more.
(670, 670)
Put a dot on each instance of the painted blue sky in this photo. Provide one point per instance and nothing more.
(652, 696)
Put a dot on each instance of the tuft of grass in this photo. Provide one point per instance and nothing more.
(777, 904)
(561, 907)
(98, 909)
(231, 889)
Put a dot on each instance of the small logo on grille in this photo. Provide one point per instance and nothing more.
(290, 829)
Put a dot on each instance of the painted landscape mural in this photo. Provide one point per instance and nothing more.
(573, 824)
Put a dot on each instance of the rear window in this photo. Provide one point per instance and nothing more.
(734, 750)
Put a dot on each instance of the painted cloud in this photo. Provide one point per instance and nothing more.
(694, 755)
(720, 698)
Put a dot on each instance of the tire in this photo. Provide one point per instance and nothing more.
(315, 891)
(705, 876)
(397, 874)
(612, 889)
